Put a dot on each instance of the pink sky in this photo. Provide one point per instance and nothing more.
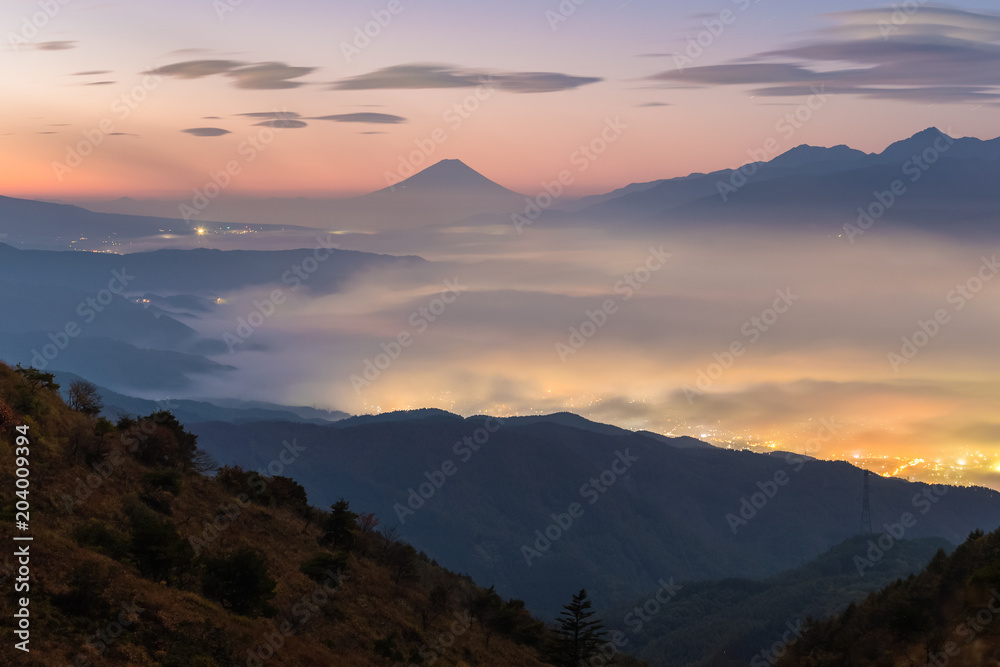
(78, 86)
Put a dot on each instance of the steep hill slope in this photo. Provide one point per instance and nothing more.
(138, 559)
(735, 621)
(946, 615)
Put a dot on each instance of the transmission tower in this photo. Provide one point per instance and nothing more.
(866, 512)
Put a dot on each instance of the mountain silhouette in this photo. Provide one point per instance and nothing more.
(442, 194)
(664, 516)
(806, 155)
(448, 175)
(949, 183)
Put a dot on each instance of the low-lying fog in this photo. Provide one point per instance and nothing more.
(758, 336)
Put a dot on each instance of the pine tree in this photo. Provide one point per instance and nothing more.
(340, 526)
(580, 636)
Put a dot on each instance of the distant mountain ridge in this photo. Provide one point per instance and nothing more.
(664, 516)
(145, 336)
(58, 226)
(736, 621)
(948, 187)
(197, 271)
(443, 193)
(117, 405)
(827, 184)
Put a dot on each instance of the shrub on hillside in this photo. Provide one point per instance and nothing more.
(386, 648)
(84, 397)
(162, 480)
(238, 481)
(285, 491)
(103, 539)
(36, 379)
(87, 584)
(156, 547)
(160, 440)
(322, 565)
(8, 419)
(240, 582)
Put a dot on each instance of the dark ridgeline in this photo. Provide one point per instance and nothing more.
(948, 614)
(679, 511)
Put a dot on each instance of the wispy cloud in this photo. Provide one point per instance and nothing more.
(380, 118)
(938, 54)
(206, 131)
(55, 46)
(423, 76)
(283, 124)
(196, 69)
(251, 76)
(280, 120)
(271, 114)
(269, 76)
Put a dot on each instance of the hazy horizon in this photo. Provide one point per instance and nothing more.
(200, 90)
(778, 299)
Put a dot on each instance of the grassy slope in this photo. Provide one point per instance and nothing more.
(949, 614)
(76, 591)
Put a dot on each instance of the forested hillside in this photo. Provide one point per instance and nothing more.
(139, 558)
